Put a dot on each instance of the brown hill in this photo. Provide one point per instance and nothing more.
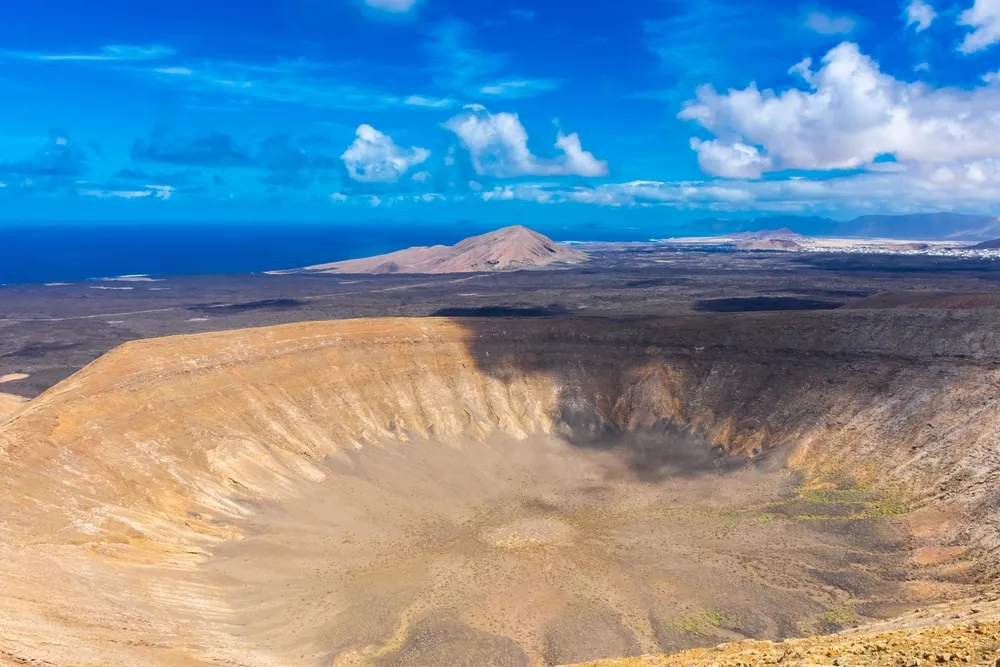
(764, 234)
(507, 249)
(769, 244)
(490, 492)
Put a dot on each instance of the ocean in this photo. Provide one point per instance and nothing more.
(60, 252)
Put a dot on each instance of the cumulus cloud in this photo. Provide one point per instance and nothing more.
(395, 6)
(375, 158)
(851, 114)
(733, 160)
(984, 19)
(498, 146)
(826, 24)
(920, 14)
(803, 68)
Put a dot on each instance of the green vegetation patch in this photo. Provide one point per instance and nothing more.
(698, 623)
(839, 617)
(859, 501)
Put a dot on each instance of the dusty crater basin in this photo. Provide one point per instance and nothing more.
(494, 492)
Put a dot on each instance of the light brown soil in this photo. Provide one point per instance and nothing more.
(561, 554)
(9, 403)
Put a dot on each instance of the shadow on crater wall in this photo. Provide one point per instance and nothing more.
(678, 394)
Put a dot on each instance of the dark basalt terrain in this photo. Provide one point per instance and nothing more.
(50, 332)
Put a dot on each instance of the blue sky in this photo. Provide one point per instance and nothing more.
(440, 110)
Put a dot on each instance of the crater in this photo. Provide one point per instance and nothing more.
(498, 491)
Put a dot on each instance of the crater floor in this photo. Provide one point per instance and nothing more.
(539, 552)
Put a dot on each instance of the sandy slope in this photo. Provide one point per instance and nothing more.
(9, 403)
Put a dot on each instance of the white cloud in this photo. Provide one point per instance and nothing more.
(735, 160)
(394, 6)
(825, 24)
(984, 19)
(851, 114)
(298, 81)
(517, 88)
(116, 194)
(498, 146)
(428, 102)
(374, 201)
(161, 191)
(375, 158)
(338, 197)
(112, 53)
(956, 186)
(174, 71)
(803, 68)
(991, 77)
(421, 176)
(922, 67)
(920, 14)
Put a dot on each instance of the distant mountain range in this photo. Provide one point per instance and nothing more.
(922, 226)
(992, 244)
